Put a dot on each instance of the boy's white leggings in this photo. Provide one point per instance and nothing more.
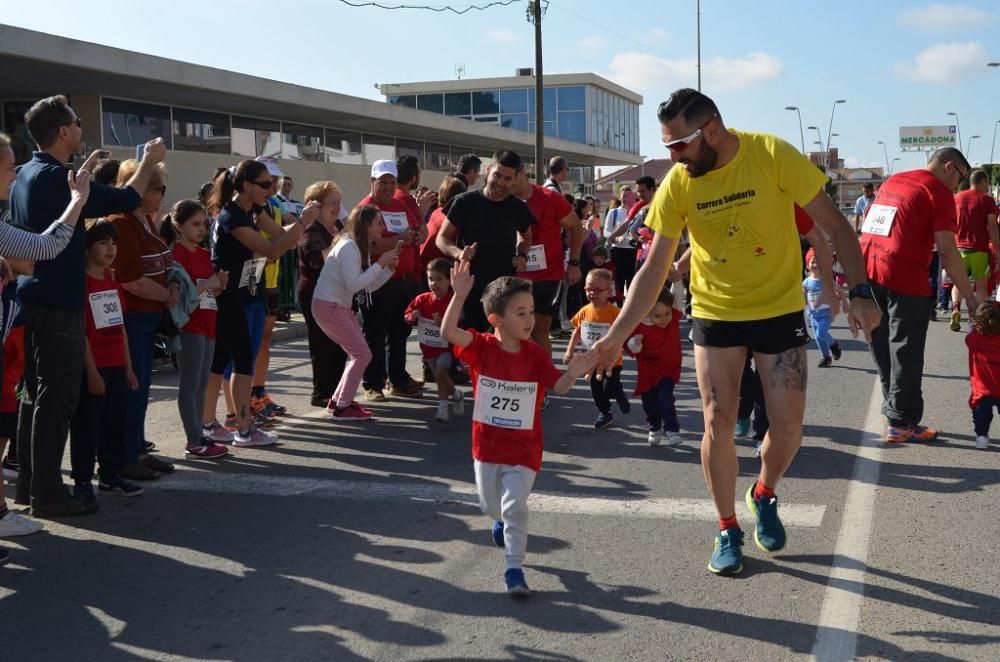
(503, 495)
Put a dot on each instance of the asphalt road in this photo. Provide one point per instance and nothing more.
(363, 542)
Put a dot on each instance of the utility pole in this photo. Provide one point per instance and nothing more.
(699, 44)
(535, 6)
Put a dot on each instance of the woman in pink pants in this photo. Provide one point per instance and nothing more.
(348, 270)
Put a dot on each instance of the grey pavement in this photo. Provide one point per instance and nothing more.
(363, 542)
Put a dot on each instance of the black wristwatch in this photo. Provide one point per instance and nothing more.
(573, 263)
(860, 291)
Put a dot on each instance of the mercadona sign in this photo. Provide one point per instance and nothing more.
(918, 138)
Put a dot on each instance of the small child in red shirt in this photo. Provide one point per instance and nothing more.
(656, 346)
(510, 374)
(98, 426)
(425, 312)
(984, 369)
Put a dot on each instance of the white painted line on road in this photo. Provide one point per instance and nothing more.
(836, 636)
(806, 515)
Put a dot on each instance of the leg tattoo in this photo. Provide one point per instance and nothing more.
(789, 370)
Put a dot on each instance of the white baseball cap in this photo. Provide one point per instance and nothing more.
(384, 167)
(272, 166)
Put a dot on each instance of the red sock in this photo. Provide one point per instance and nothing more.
(728, 523)
(762, 491)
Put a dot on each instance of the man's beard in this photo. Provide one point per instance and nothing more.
(703, 163)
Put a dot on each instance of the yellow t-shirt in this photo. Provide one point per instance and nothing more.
(746, 263)
(272, 269)
(594, 324)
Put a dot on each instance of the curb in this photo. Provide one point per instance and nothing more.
(291, 330)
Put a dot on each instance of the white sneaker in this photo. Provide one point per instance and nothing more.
(757, 445)
(13, 524)
(653, 438)
(442, 415)
(672, 438)
(458, 402)
(982, 443)
(218, 432)
(255, 437)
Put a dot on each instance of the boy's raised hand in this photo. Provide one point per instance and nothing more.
(582, 364)
(462, 279)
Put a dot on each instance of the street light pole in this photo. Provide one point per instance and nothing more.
(829, 134)
(894, 164)
(802, 136)
(818, 141)
(992, 144)
(886, 152)
(699, 43)
(968, 150)
(958, 129)
(536, 18)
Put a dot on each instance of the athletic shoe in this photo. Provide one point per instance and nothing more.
(727, 558)
(604, 420)
(982, 443)
(231, 422)
(923, 433)
(412, 389)
(156, 464)
(12, 525)
(836, 351)
(769, 534)
(358, 405)
(900, 434)
(442, 413)
(825, 362)
(497, 533)
(68, 507)
(934, 316)
(458, 402)
(956, 321)
(217, 432)
(375, 395)
(742, 427)
(206, 449)
(624, 404)
(516, 586)
(149, 446)
(138, 471)
(653, 438)
(671, 438)
(262, 420)
(757, 445)
(84, 493)
(353, 413)
(255, 437)
(118, 487)
(271, 405)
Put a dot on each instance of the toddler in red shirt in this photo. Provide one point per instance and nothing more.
(984, 369)
(425, 312)
(656, 346)
(510, 374)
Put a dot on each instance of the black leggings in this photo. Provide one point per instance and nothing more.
(232, 336)
(604, 390)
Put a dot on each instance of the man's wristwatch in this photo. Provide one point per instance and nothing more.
(573, 263)
(860, 291)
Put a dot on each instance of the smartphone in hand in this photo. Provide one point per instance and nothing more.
(399, 245)
(140, 151)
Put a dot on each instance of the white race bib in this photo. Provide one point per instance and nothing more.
(395, 221)
(502, 404)
(591, 332)
(879, 220)
(252, 270)
(207, 298)
(536, 258)
(429, 333)
(106, 308)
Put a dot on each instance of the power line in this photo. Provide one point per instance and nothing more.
(439, 8)
(605, 28)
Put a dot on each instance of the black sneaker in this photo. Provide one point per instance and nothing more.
(604, 420)
(119, 487)
(825, 362)
(835, 350)
(84, 493)
(71, 507)
(149, 446)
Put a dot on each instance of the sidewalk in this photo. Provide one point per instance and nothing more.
(293, 329)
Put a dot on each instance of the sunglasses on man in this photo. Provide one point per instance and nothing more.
(682, 144)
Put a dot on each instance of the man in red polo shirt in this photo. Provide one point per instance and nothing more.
(407, 181)
(977, 229)
(913, 212)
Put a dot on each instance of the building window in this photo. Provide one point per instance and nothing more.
(129, 123)
(573, 126)
(514, 101)
(199, 131)
(458, 103)
(518, 121)
(343, 147)
(572, 98)
(302, 143)
(14, 126)
(404, 147)
(408, 100)
(433, 103)
(488, 119)
(548, 101)
(256, 137)
(438, 157)
(486, 102)
(378, 147)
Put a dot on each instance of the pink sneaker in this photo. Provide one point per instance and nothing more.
(206, 449)
(353, 412)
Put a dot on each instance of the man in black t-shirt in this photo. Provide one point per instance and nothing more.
(491, 229)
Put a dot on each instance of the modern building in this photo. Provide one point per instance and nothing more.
(608, 186)
(211, 118)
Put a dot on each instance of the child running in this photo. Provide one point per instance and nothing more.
(820, 315)
(656, 346)
(510, 373)
(425, 312)
(592, 323)
(984, 369)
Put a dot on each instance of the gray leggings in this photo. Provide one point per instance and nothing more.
(193, 363)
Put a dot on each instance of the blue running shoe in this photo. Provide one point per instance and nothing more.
(498, 534)
(516, 586)
(727, 559)
(769, 534)
(742, 427)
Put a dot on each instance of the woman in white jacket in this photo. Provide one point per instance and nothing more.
(348, 269)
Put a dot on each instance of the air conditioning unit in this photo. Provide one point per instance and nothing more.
(527, 71)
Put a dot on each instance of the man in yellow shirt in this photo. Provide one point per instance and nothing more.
(733, 191)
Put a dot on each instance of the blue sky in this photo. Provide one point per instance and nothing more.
(896, 63)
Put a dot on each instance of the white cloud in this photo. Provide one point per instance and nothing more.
(644, 71)
(854, 162)
(944, 17)
(591, 43)
(943, 63)
(503, 36)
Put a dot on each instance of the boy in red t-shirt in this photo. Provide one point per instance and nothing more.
(510, 374)
(425, 312)
(984, 369)
(656, 346)
(98, 426)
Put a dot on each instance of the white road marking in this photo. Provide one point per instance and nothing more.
(836, 636)
(806, 515)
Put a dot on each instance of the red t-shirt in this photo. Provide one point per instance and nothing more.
(911, 206)
(427, 305)
(198, 265)
(660, 357)
(398, 218)
(548, 207)
(972, 209)
(984, 366)
(488, 359)
(803, 221)
(105, 303)
(429, 250)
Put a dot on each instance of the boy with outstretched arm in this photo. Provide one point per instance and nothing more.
(510, 374)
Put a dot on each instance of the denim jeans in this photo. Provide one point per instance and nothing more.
(98, 428)
(140, 327)
(821, 321)
(982, 415)
(659, 405)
